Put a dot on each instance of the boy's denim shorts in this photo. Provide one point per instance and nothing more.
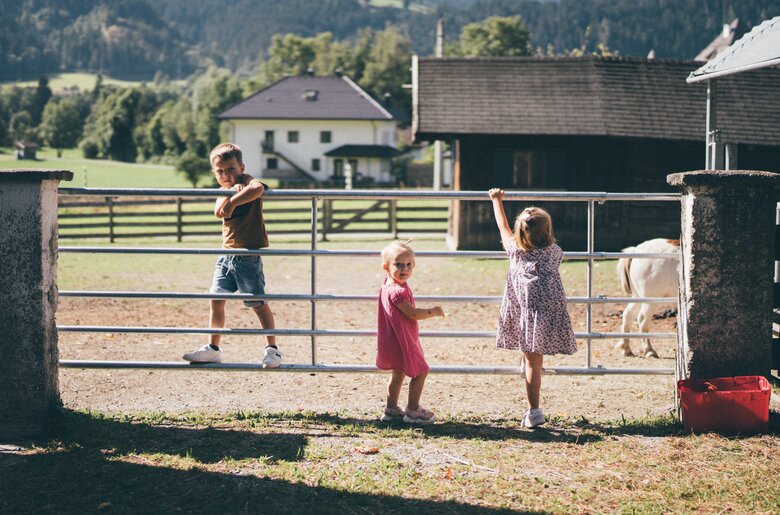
(239, 273)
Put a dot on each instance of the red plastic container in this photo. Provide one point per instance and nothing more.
(725, 404)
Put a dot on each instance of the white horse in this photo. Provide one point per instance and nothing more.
(646, 277)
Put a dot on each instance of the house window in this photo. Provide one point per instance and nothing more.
(338, 168)
(272, 163)
(292, 136)
(268, 142)
(315, 165)
(325, 137)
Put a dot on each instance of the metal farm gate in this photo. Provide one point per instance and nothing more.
(591, 199)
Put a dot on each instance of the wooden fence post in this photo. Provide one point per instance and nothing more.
(392, 218)
(110, 204)
(325, 222)
(179, 214)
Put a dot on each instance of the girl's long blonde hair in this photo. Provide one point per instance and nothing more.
(533, 229)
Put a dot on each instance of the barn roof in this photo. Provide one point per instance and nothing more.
(309, 98)
(591, 96)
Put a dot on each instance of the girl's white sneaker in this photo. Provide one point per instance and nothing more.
(534, 417)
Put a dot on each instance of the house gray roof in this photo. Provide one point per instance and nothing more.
(309, 98)
(731, 32)
(363, 151)
(759, 48)
(591, 96)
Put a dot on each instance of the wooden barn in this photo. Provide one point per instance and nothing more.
(585, 124)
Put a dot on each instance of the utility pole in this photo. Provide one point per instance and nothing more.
(437, 158)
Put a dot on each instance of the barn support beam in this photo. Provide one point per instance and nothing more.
(28, 296)
(726, 272)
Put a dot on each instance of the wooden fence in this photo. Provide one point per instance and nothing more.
(113, 218)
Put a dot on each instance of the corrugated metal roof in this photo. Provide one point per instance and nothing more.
(592, 96)
(759, 48)
(309, 98)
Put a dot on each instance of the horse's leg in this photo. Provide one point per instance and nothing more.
(629, 315)
(645, 315)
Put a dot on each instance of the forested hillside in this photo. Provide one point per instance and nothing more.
(136, 38)
(123, 38)
(676, 29)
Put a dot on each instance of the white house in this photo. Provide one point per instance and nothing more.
(314, 127)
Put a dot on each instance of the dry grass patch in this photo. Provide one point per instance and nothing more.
(306, 461)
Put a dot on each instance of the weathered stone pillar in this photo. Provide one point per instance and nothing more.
(726, 272)
(28, 300)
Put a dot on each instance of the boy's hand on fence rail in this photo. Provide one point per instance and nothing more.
(224, 208)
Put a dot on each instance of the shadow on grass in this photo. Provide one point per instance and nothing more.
(205, 445)
(668, 426)
(580, 431)
(85, 469)
(495, 429)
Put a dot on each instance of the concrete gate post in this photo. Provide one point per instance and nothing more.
(28, 300)
(726, 272)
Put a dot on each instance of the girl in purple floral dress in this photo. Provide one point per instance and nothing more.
(533, 316)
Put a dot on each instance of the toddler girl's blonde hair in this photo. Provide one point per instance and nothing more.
(533, 229)
(396, 248)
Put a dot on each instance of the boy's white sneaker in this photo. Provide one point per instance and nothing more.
(533, 417)
(204, 355)
(272, 357)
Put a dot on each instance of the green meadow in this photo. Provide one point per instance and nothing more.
(59, 82)
(99, 173)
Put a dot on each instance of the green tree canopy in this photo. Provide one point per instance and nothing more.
(61, 125)
(388, 68)
(495, 36)
(193, 167)
(20, 127)
(377, 60)
(112, 122)
(42, 95)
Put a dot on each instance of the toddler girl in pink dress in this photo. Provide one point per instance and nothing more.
(398, 341)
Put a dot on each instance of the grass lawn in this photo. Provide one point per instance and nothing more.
(99, 173)
(64, 81)
(293, 462)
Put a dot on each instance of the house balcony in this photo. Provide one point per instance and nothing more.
(267, 147)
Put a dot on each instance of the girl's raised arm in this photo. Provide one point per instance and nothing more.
(497, 196)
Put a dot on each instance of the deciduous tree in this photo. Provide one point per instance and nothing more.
(495, 36)
(60, 125)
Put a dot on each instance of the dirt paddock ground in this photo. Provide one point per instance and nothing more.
(491, 396)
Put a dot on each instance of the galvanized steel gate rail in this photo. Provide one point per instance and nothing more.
(591, 198)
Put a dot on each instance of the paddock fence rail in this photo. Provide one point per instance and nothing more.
(319, 198)
(116, 217)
